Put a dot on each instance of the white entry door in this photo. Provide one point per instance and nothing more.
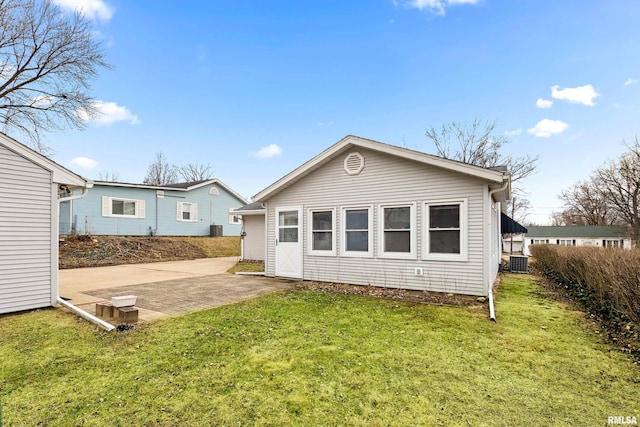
(289, 242)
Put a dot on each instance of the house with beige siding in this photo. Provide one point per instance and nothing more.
(31, 186)
(367, 213)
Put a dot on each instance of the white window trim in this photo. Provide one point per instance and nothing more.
(464, 231)
(193, 217)
(343, 237)
(107, 207)
(232, 215)
(311, 251)
(413, 232)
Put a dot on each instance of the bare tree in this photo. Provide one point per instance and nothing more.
(586, 204)
(620, 184)
(47, 59)
(475, 143)
(517, 208)
(107, 176)
(160, 172)
(195, 172)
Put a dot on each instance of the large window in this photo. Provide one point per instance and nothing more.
(125, 208)
(322, 238)
(357, 240)
(566, 242)
(612, 243)
(445, 224)
(397, 231)
(187, 212)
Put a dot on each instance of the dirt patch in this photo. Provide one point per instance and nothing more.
(436, 298)
(96, 251)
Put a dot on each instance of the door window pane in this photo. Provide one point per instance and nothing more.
(289, 219)
(288, 234)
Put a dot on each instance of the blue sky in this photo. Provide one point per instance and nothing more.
(257, 88)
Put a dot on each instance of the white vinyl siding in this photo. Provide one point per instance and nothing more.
(388, 180)
(117, 207)
(187, 212)
(26, 268)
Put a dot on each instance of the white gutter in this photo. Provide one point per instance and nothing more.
(90, 317)
(492, 310)
(85, 190)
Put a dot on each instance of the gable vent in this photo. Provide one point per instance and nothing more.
(354, 163)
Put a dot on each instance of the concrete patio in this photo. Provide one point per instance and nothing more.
(166, 288)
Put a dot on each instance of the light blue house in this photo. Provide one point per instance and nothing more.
(201, 208)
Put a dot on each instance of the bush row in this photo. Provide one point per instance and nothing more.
(606, 281)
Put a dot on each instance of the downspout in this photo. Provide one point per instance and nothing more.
(90, 317)
(492, 311)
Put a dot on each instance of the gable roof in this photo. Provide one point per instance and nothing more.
(498, 178)
(577, 231)
(184, 186)
(60, 174)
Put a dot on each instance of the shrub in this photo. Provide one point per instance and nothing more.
(605, 280)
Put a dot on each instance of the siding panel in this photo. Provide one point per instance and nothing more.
(25, 234)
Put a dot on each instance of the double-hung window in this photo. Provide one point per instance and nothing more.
(187, 212)
(122, 208)
(446, 230)
(397, 231)
(322, 231)
(357, 240)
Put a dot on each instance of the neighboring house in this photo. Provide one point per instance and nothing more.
(252, 247)
(199, 208)
(367, 213)
(610, 236)
(31, 186)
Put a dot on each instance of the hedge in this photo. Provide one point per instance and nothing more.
(605, 280)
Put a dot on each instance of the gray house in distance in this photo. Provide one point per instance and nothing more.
(368, 213)
(200, 208)
(31, 186)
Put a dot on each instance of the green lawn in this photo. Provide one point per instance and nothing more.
(313, 358)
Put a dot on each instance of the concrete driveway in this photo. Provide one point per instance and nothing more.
(165, 288)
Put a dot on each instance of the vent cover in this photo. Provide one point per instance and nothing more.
(518, 264)
(354, 163)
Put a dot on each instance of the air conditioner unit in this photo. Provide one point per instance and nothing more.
(518, 264)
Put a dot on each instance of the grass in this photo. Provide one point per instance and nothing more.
(316, 358)
(214, 247)
(247, 267)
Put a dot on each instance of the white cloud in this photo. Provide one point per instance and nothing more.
(109, 113)
(578, 95)
(544, 103)
(92, 9)
(270, 150)
(630, 82)
(514, 132)
(547, 127)
(83, 162)
(437, 6)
